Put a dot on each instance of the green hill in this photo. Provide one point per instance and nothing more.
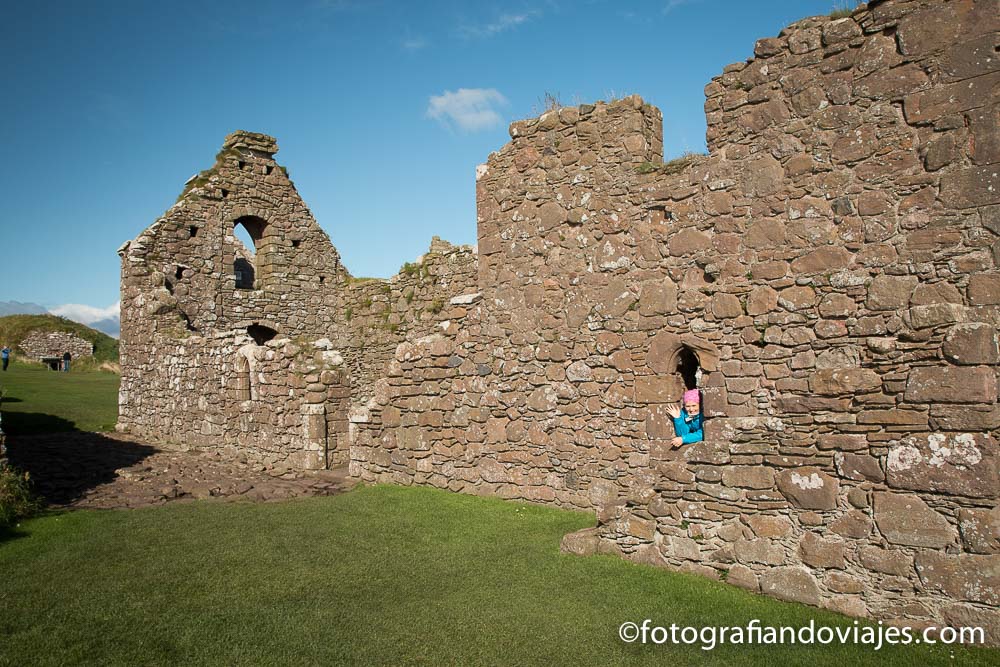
(14, 328)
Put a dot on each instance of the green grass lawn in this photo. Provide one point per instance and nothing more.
(37, 400)
(379, 576)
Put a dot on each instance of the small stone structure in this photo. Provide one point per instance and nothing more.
(827, 276)
(52, 346)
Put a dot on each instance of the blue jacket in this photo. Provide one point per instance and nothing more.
(689, 430)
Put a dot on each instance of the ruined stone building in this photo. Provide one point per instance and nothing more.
(828, 275)
(51, 347)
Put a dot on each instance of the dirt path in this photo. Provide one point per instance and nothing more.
(109, 470)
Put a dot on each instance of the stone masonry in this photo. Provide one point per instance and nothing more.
(830, 268)
(38, 344)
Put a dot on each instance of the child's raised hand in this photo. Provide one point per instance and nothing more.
(674, 410)
(676, 442)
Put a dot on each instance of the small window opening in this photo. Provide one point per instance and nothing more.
(241, 164)
(248, 233)
(322, 279)
(193, 230)
(179, 273)
(296, 243)
(224, 192)
(268, 169)
(260, 333)
(243, 379)
(688, 367)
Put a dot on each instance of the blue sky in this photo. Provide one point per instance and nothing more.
(382, 110)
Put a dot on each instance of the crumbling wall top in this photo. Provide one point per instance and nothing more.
(252, 140)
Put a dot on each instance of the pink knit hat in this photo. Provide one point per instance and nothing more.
(692, 395)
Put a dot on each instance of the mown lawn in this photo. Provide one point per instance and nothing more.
(37, 400)
(379, 576)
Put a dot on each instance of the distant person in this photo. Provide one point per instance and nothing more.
(5, 355)
(66, 362)
(687, 420)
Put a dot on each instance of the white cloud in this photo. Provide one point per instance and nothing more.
(503, 23)
(414, 44)
(674, 4)
(83, 314)
(471, 109)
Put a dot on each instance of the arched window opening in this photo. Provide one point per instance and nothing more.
(688, 367)
(260, 333)
(249, 232)
(242, 379)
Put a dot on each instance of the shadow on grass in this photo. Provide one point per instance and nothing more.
(22, 423)
(65, 465)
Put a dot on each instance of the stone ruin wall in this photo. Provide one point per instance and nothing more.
(833, 263)
(193, 376)
(39, 343)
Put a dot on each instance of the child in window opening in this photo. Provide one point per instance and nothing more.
(687, 421)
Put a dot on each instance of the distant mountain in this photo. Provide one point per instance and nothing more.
(21, 308)
(14, 328)
(111, 326)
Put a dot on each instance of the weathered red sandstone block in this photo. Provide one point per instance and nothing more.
(750, 477)
(794, 584)
(855, 145)
(797, 298)
(968, 418)
(951, 384)
(937, 102)
(854, 524)
(962, 464)
(761, 551)
(894, 417)
(769, 526)
(807, 404)
(726, 306)
(809, 488)
(972, 343)
(657, 298)
(823, 260)
(907, 520)
(859, 467)
(839, 381)
(985, 127)
(962, 577)
(890, 292)
(816, 551)
(656, 389)
(892, 84)
(887, 561)
(969, 616)
(842, 441)
(768, 46)
(980, 529)
(984, 289)
(766, 233)
(972, 186)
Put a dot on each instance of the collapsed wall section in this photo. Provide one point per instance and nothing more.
(831, 267)
(39, 343)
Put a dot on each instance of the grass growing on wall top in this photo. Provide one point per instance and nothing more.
(378, 576)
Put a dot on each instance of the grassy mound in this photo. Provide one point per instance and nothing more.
(14, 329)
